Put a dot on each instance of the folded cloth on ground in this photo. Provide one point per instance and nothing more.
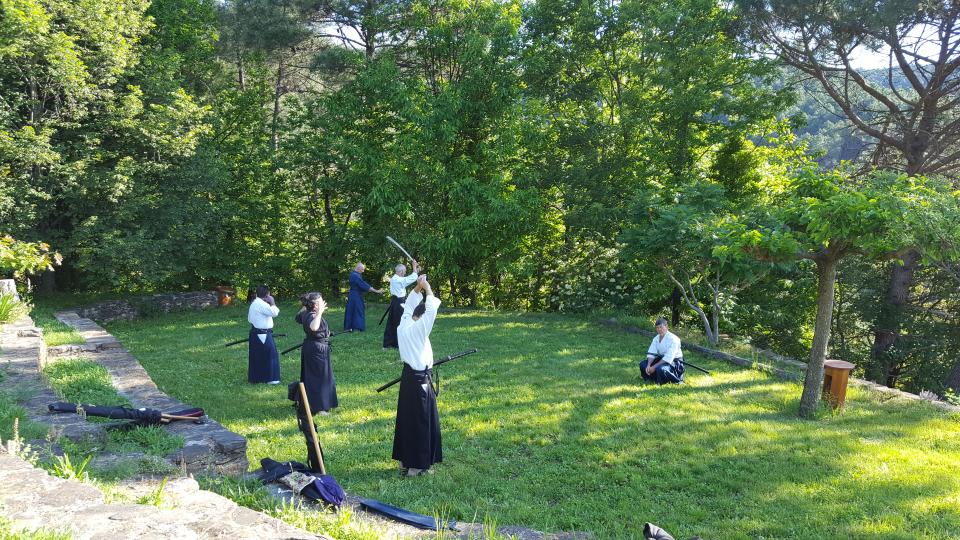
(323, 487)
(405, 516)
(297, 480)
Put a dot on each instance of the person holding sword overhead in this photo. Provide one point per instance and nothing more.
(416, 437)
(398, 294)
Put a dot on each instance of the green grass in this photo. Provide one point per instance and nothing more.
(54, 331)
(11, 411)
(550, 427)
(84, 381)
(7, 532)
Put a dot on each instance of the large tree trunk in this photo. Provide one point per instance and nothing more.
(890, 319)
(953, 379)
(241, 75)
(812, 383)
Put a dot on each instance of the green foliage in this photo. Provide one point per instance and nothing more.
(155, 497)
(13, 423)
(827, 216)
(62, 467)
(84, 381)
(20, 258)
(10, 532)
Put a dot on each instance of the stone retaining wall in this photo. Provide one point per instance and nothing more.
(128, 310)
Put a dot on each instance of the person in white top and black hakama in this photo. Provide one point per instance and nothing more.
(263, 365)
(416, 438)
(398, 294)
(664, 363)
(316, 373)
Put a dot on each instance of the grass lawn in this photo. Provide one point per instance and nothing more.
(549, 426)
(54, 331)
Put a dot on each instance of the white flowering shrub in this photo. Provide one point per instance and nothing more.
(592, 276)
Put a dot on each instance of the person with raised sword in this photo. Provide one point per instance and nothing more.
(416, 438)
(398, 294)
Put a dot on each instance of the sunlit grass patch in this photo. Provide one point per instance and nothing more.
(549, 426)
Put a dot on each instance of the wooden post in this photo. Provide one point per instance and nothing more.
(835, 376)
(313, 431)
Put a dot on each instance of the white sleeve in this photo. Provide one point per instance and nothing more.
(407, 280)
(266, 309)
(652, 351)
(430, 315)
(412, 300)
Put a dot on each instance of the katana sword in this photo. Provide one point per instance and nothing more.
(435, 364)
(244, 340)
(298, 345)
(394, 242)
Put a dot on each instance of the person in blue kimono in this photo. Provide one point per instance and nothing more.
(263, 365)
(355, 315)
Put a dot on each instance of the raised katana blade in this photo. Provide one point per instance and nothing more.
(394, 242)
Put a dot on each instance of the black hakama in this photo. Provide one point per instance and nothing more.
(416, 438)
(316, 372)
(394, 313)
(263, 363)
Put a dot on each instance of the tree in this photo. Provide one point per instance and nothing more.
(910, 114)
(824, 217)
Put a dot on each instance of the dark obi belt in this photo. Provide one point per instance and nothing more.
(261, 330)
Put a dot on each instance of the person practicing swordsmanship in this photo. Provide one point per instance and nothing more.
(316, 373)
(355, 316)
(664, 363)
(416, 438)
(398, 294)
(264, 360)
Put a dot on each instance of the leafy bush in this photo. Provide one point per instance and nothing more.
(11, 309)
(20, 258)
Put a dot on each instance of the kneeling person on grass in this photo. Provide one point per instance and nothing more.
(664, 363)
(416, 437)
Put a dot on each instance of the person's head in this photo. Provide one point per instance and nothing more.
(661, 326)
(419, 311)
(401, 270)
(359, 267)
(263, 291)
(310, 300)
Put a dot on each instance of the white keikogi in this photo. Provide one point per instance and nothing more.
(261, 314)
(414, 336)
(668, 346)
(398, 284)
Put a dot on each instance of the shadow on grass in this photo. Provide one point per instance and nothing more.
(550, 427)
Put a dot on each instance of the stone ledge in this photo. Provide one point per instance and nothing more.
(208, 447)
